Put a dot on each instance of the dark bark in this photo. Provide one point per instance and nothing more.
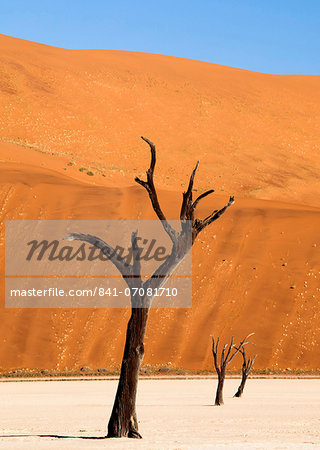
(220, 363)
(241, 386)
(123, 421)
(246, 369)
(219, 393)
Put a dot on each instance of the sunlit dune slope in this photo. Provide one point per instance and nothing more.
(256, 135)
(70, 123)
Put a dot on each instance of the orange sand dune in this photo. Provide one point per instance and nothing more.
(256, 135)
(239, 282)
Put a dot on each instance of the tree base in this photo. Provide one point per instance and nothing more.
(132, 434)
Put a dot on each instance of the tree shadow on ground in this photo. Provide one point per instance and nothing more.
(56, 436)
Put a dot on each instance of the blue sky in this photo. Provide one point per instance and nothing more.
(266, 36)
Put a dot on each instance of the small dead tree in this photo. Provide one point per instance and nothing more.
(123, 421)
(246, 369)
(228, 352)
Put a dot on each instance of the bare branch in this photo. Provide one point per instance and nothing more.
(106, 249)
(251, 334)
(125, 269)
(232, 356)
(136, 264)
(197, 200)
(222, 355)
(186, 206)
(201, 224)
(244, 356)
(215, 352)
(153, 154)
(149, 186)
(218, 340)
(244, 342)
(163, 272)
(208, 217)
(229, 349)
(250, 364)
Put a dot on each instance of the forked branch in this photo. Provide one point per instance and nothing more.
(149, 186)
(188, 206)
(228, 352)
(105, 248)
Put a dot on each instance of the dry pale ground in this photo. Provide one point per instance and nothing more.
(173, 414)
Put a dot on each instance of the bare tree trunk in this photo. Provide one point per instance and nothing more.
(219, 394)
(220, 363)
(246, 369)
(241, 386)
(123, 421)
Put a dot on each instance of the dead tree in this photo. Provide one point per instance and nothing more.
(123, 421)
(246, 369)
(221, 363)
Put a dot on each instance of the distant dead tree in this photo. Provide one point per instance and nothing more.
(246, 369)
(123, 421)
(228, 352)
